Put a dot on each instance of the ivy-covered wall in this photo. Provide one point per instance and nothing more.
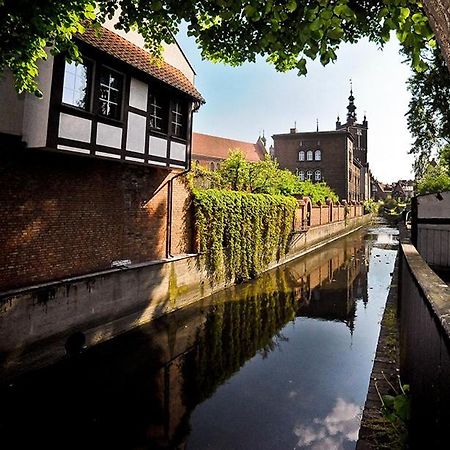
(241, 233)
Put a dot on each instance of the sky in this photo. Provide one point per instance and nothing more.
(243, 101)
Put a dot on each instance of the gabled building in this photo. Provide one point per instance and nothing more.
(403, 189)
(338, 157)
(89, 175)
(209, 150)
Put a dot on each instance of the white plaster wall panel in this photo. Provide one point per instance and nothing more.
(429, 206)
(75, 128)
(35, 110)
(136, 133)
(138, 94)
(178, 151)
(176, 166)
(73, 149)
(157, 163)
(109, 135)
(131, 158)
(11, 106)
(108, 155)
(157, 147)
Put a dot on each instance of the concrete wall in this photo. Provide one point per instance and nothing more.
(105, 304)
(431, 228)
(424, 307)
(36, 110)
(11, 107)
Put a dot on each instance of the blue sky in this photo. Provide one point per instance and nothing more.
(243, 101)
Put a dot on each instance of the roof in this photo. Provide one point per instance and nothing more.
(219, 147)
(129, 53)
(312, 134)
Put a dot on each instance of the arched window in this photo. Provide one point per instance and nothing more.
(309, 175)
(317, 175)
(301, 175)
(301, 155)
(212, 166)
(309, 155)
(317, 155)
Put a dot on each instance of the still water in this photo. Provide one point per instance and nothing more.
(279, 363)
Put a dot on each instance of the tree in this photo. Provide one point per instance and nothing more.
(436, 177)
(286, 32)
(428, 115)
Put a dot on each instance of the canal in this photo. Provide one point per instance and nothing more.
(279, 363)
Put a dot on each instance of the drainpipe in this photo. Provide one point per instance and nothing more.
(170, 192)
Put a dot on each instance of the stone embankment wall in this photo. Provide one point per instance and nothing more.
(104, 304)
(424, 311)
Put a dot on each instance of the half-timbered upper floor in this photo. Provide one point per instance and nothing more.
(119, 103)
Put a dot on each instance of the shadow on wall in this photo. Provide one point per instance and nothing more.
(64, 216)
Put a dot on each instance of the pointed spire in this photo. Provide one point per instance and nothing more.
(317, 125)
(351, 115)
(338, 122)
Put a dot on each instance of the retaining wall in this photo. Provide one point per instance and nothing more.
(424, 311)
(36, 322)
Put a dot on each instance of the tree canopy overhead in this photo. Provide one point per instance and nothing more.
(285, 32)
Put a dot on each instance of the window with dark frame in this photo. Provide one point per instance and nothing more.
(111, 89)
(158, 113)
(178, 119)
(76, 85)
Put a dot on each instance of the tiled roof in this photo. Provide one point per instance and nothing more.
(204, 145)
(129, 53)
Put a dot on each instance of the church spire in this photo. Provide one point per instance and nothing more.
(351, 115)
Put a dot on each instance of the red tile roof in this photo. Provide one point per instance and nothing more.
(127, 52)
(204, 145)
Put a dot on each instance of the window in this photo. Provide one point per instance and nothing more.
(309, 155)
(317, 175)
(309, 175)
(301, 175)
(76, 86)
(212, 165)
(317, 155)
(301, 155)
(110, 101)
(178, 119)
(158, 113)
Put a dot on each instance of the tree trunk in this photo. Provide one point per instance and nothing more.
(438, 12)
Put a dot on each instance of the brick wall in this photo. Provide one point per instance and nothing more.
(65, 215)
(332, 165)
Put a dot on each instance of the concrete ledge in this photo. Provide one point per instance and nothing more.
(433, 288)
(35, 322)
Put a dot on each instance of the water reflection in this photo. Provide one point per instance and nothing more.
(277, 363)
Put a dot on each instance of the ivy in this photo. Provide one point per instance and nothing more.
(241, 233)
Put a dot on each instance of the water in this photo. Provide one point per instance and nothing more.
(280, 363)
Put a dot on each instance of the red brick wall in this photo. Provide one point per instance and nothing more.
(64, 216)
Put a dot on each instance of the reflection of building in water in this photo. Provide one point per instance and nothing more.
(139, 391)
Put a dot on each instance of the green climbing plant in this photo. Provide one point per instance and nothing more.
(241, 233)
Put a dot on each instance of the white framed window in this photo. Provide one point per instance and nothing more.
(301, 155)
(317, 175)
(309, 175)
(317, 155)
(301, 175)
(309, 155)
(76, 85)
(177, 119)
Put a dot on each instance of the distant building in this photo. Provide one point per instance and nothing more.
(403, 189)
(209, 150)
(377, 190)
(338, 157)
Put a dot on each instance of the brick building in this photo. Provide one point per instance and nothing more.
(209, 150)
(89, 174)
(338, 157)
